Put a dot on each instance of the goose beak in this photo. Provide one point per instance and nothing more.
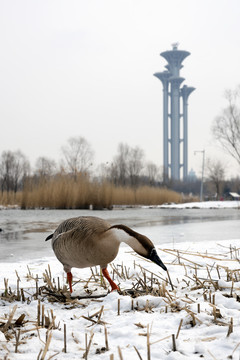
(156, 259)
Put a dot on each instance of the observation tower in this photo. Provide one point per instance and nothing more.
(175, 115)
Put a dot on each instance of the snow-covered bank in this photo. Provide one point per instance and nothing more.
(203, 205)
(198, 303)
(9, 207)
(189, 205)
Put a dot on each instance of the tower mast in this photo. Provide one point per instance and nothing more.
(175, 149)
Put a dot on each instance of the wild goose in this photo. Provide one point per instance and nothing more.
(88, 241)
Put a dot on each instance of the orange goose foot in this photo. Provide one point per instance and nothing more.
(111, 282)
(69, 278)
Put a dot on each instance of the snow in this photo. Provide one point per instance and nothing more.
(158, 315)
(202, 294)
(204, 205)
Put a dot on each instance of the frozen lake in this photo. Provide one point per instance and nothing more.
(24, 231)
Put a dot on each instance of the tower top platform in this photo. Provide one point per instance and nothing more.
(186, 91)
(175, 58)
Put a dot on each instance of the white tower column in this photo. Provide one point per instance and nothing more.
(171, 134)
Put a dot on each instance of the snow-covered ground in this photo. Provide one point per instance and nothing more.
(198, 304)
(204, 205)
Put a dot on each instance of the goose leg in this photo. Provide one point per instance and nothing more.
(111, 282)
(69, 277)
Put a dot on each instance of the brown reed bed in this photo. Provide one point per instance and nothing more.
(65, 192)
(10, 198)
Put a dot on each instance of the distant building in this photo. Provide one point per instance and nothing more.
(175, 115)
(234, 196)
(192, 175)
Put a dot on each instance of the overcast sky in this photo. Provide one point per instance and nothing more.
(85, 68)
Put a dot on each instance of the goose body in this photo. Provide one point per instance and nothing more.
(88, 241)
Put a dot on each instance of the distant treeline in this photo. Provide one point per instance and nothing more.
(128, 167)
(73, 184)
(76, 183)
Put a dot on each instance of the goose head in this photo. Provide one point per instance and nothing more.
(141, 244)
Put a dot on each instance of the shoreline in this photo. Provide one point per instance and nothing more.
(225, 204)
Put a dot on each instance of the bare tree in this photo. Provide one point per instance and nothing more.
(120, 164)
(216, 174)
(135, 164)
(226, 127)
(113, 173)
(78, 155)
(152, 172)
(127, 165)
(14, 166)
(45, 167)
(6, 170)
(21, 169)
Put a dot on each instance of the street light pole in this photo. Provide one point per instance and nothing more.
(203, 164)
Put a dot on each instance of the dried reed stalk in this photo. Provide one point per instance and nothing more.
(94, 321)
(49, 272)
(106, 338)
(39, 354)
(118, 312)
(6, 287)
(174, 343)
(88, 345)
(65, 338)
(120, 353)
(148, 344)
(22, 295)
(49, 338)
(43, 315)
(183, 258)
(179, 328)
(194, 318)
(95, 314)
(115, 270)
(235, 348)
(217, 268)
(38, 313)
(88, 281)
(231, 292)
(18, 291)
(215, 284)
(17, 337)
(95, 279)
(146, 270)
(100, 315)
(170, 281)
(230, 327)
(198, 308)
(37, 289)
(8, 323)
(138, 353)
(212, 355)
(48, 279)
(19, 321)
(58, 281)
